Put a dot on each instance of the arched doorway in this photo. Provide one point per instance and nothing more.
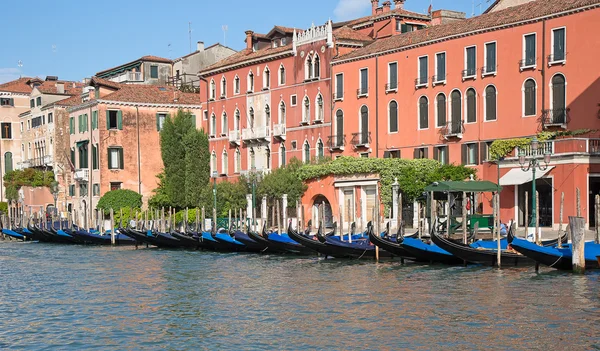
(328, 214)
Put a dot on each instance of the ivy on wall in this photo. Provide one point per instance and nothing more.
(501, 148)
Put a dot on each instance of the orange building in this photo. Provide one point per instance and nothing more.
(449, 90)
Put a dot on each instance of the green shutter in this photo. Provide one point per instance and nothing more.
(110, 166)
(121, 165)
(403, 28)
(194, 121)
(107, 120)
(119, 120)
(72, 125)
(86, 122)
(158, 122)
(94, 120)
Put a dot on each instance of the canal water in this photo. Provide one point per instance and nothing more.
(101, 298)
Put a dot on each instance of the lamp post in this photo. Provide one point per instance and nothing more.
(532, 162)
(54, 191)
(214, 177)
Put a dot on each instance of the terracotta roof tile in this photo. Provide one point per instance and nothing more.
(105, 82)
(152, 94)
(394, 12)
(70, 88)
(143, 58)
(17, 86)
(72, 101)
(346, 33)
(247, 54)
(507, 16)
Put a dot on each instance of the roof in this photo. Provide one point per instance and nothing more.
(150, 58)
(105, 82)
(248, 54)
(152, 94)
(346, 33)
(72, 101)
(17, 86)
(394, 12)
(70, 88)
(529, 11)
(469, 187)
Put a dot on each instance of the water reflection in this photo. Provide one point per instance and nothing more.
(120, 298)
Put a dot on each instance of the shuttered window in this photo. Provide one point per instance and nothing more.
(559, 102)
(490, 57)
(339, 86)
(364, 81)
(393, 116)
(440, 67)
(393, 76)
(423, 113)
(529, 55)
(456, 108)
(115, 158)
(471, 61)
(441, 110)
(471, 106)
(529, 97)
(423, 72)
(558, 44)
(490, 103)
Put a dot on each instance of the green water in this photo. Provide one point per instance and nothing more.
(55, 297)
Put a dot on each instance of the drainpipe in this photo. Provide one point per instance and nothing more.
(139, 155)
(543, 70)
(377, 106)
(206, 81)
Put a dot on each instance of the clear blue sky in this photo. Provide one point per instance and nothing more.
(75, 39)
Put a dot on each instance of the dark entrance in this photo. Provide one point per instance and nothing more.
(594, 190)
(328, 214)
(544, 188)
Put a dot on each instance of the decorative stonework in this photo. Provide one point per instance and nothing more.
(314, 34)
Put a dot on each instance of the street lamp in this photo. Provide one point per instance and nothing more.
(54, 191)
(532, 162)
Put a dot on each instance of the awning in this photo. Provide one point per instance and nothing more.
(517, 176)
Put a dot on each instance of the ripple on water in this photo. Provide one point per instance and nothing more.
(73, 298)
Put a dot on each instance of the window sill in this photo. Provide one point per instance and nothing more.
(525, 68)
(223, 134)
(318, 121)
(304, 123)
(494, 73)
(250, 92)
(223, 174)
(440, 82)
(365, 95)
(419, 86)
(338, 99)
(389, 91)
(555, 63)
(265, 89)
(211, 99)
(212, 136)
(223, 97)
(473, 77)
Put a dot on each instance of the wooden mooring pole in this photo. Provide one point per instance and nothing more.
(526, 215)
(112, 226)
(560, 220)
(497, 220)
(597, 224)
(464, 217)
(577, 225)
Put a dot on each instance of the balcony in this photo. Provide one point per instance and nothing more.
(544, 146)
(559, 59)
(336, 142)
(362, 92)
(82, 175)
(279, 131)
(527, 63)
(255, 134)
(361, 140)
(421, 82)
(338, 96)
(438, 79)
(558, 117)
(128, 77)
(23, 165)
(391, 88)
(561, 147)
(234, 137)
(469, 73)
(453, 129)
(490, 70)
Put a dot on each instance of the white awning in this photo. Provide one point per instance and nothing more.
(517, 176)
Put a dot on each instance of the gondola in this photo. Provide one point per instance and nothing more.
(210, 243)
(428, 252)
(311, 243)
(554, 257)
(284, 243)
(386, 243)
(13, 234)
(598, 258)
(229, 242)
(552, 242)
(251, 245)
(486, 257)
(188, 241)
(162, 240)
(357, 249)
(90, 238)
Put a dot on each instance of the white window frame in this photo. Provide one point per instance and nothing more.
(467, 161)
(437, 81)
(281, 118)
(279, 75)
(305, 111)
(292, 104)
(213, 125)
(213, 90)
(307, 74)
(360, 93)
(223, 88)
(282, 154)
(237, 119)
(213, 162)
(551, 86)
(474, 75)
(266, 82)
(224, 163)
(522, 68)
(397, 117)
(485, 119)
(436, 148)
(315, 77)
(317, 148)
(389, 75)
(237, 82)
(224, 124)
(523, 115)
(484, 71)
(304, 160)
(237, 161)
(335, 97)
(449, 115)
(250, 88)
(564, 60)
(419, 84)
(319, 119)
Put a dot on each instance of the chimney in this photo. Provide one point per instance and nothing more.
(446, 16)
(200, 46)
(60, 88)
(399, 4)
(387, 6)
(249, 34)
(374, 5)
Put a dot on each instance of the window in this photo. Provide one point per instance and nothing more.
(391, 154)
(281, 75)
(293, 100)
(6, 130)
(490, 58)
(83, 123)
(317, 67)
(306, 154)
(252, 159)
(268, 157)
(529, 98)
(236, 85)
(440, 67)
(470, 154)
(224, 125)
(32, 103)
(7, 102)
(282, 160)
(267, 116)
(420, 153)
(559, 100)
(238, 161)
(456, 111)
(37, 121)
(83, 189)
(213, 89)
(115, 158)
(38, 101)
(339, 129)
(8, 162)
(393, 117)
(223, 87)
(440, 153)
(72, 155)
(364, 125)
(115, 186)
(364, 82)
(213, 125)
(250, 82)
(294, 144)
(95, 157)
(83, 155)
(224, 163)
(490, 103)
(154, 72)
(205, 115)
(308, 69)
(558, 45)
(237, 121)
(251, 117)
(281, 112)
(213, 163)
(72, 190)
(485, 150)
(94, 119)
(266, 78)
(306, 110)
(319, 108)
(529, 51)
(423, 72)
(440, 110)
(470, 62)
(96, 189)
(392, 76)
(114, 119)
(339, 86)
(320, 150)
(423, 113)
(471, 106)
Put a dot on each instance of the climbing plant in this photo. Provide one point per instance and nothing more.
(501, 148)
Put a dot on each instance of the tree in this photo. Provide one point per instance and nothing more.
(282, 181)
(197, 165)
(160, 197)
(230, 196)
(118, 199)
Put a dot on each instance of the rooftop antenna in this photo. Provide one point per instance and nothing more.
(20, 64)
(225, 29)
(473, 13)
(170, 50)
(190, 33)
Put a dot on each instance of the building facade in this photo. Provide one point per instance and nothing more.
(186, 68)
(145, 70)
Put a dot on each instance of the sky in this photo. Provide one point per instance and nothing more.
(75, 39)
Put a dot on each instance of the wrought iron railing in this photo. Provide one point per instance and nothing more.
(421, 81)
(555, 117)
(362, 92)
(488, 69)
(557, 58)
(453, 129)
(391, 86)
(361, 139)
(528, 62)
(469, 73)
(336, 142)
(439, 78)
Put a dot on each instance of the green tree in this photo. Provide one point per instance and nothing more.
(119, 199)
(197, 165)
(284, 180)
(160, 198)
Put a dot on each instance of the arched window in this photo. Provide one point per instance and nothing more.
(236, 85)
(319, 108)
(224, 125)
(213, 125)
(268, 157)
(317, 69)
(339, 128)
(282, 155)
(224, 163)
(8, 162)
(267, 116)
(440, 110)
(306, 110)
(252, 159)
(306, 153)
(490, 103)
(236, 123)
(393, 117)
(423, 112)
(251, 117)
(364, 125)
(320, 150)
(529, 97)
(238, 161)
(266, 78)
(250, 82)
(309, 67)
(559, 100)
(213, 163)
(213, 89)
(471, 106)
(282, 112)
(223, 87)
(456, 110)
(281, 75)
